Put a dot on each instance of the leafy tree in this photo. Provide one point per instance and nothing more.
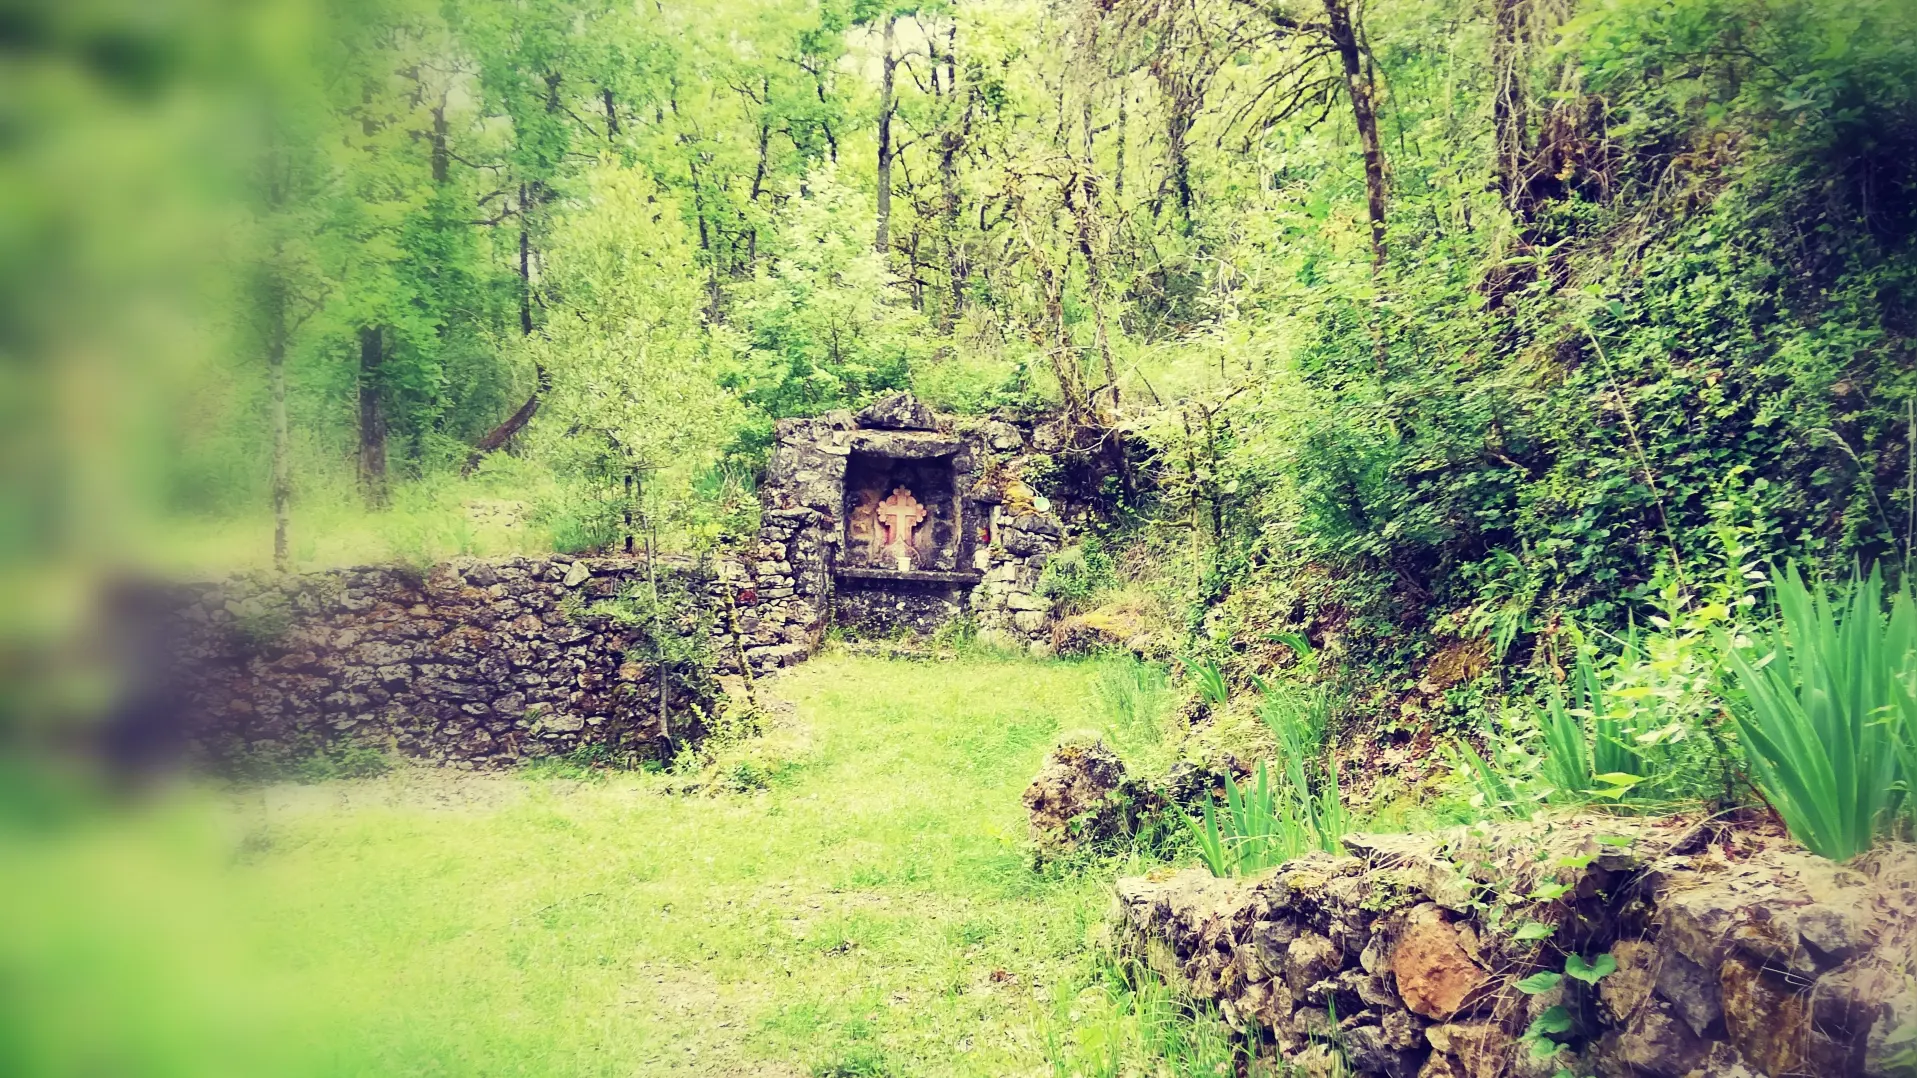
(824, 326)
(632, 365)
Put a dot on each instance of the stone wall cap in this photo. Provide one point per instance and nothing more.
(906, 444)
(899, 411)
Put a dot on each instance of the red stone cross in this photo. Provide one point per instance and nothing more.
(899, 514)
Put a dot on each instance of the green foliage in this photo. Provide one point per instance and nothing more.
(1134, 697)
(1268, 823)
(587, 763)
(823, 326)
(1539, 983)
(1250, 833)
(583, 518)
(311, 759)
(1642, 725)
(1213, 689)
(1541, 1035)
(1557, 405)
(1497, 791)
(344, 761)
(672, 622)
(660, 228)
(633, 371)
(1826, 704)
(1299, 720)
(1127, 1021)
(1589, 972)
(1075, 573)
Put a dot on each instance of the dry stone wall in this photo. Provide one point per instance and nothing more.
(484, 663)
(479, 663)
(1737, 954)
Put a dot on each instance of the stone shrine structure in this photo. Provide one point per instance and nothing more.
(897, 518)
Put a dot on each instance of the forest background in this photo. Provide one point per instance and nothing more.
(1397, 323)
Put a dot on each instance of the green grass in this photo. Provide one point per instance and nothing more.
(872, 910)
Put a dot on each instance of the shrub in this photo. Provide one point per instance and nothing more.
(1075, 573)
(1643, 724)
(1827, 709)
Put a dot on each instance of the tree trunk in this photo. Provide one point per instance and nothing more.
(1178, 124)
(706, 247)
(1344, 38)
(500, 435)
(441, 154)
(1082, 197)
(282, 463)
(1509, 106)
(525, 266)
(888, 70)
(1064, 358)
(503, 433)
(372, 416)
(658, 623)
(955, 260)
(951, 142)
(765, 138)
(626, 513)
(1118, 164)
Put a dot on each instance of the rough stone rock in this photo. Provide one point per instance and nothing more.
(898, 441)
(1698, 921)
(1309, 959)
(906, 444)
(1416, 863)
(1002, 436)
(1120, 626)
(1439, 1065)
(1768, 1023)
(1318, 1061)
(1722, 1061)
(1654, 1043)
(1082, 796)
(1626, 989)
(1893, 1037)
(1661, 1014)
(1372, 1049)
(1435, 976)
(577, 575)
(434, 665)
(1692, 993)
(1480, 1049)
(898, 411)
(1831, 933)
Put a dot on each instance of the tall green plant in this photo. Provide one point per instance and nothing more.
(1642, 725)
(1828, 710)
(1299, 722)
(1257, 829)
(1268, 823)
(1210, 677)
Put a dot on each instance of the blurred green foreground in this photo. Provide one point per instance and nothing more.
(856, 899)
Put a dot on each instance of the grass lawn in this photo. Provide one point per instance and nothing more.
(872, 910)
